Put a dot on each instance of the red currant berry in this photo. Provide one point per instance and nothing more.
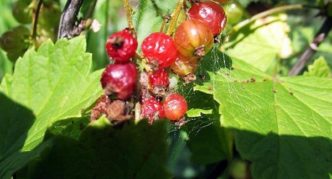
(121, 46)
(152, 109)
(175, 107)
(159, 49)
(159, 78)
(183, 67)
(210, 13)
(119, 79)
(193, 38)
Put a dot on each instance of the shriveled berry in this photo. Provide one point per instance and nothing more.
(158, 82)
(121, 46)
(183, 67)
(159, 79)
(210, 13)
(193, 38)
(119, 79)
(175, 107)
(159, 49)
(152, 109)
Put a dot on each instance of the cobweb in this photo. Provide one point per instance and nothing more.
(215, 65)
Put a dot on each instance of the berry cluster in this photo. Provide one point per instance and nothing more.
(148, 90)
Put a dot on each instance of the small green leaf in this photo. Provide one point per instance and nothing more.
(55, 83)
(319, 68)
(196, 112)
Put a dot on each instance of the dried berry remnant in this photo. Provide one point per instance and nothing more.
(116, 110)
(121, 46)
(158, 82)
(119, 79)
(152, 109)
(175, 107)
(100, 108)
(159, 49)
(193, 38)
(209, 13)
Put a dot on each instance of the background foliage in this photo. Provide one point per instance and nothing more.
(247, 118)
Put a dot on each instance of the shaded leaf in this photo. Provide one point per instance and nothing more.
(105, 151)
(54, 83)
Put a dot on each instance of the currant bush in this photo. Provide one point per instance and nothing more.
(162, 54)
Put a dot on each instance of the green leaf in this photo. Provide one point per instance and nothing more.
(7, 20)
(55, 83)
(282, 125)
(104, 151)
(319, 68)
(262, 44)
(6, 66)
(148, 16)
(197, 112)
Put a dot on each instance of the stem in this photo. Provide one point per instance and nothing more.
(69, 18)
(91, 10)
(106, 18)
(35, 19)
(156, 8)
(174, 17)
(312, 48)
(165, 21)
(129, 12)
(246, 22)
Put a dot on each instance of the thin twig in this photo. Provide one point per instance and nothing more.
(174, 17)
(68, 20)
(35, 19)
(129, 12)
(312, 48)
(269, 12)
